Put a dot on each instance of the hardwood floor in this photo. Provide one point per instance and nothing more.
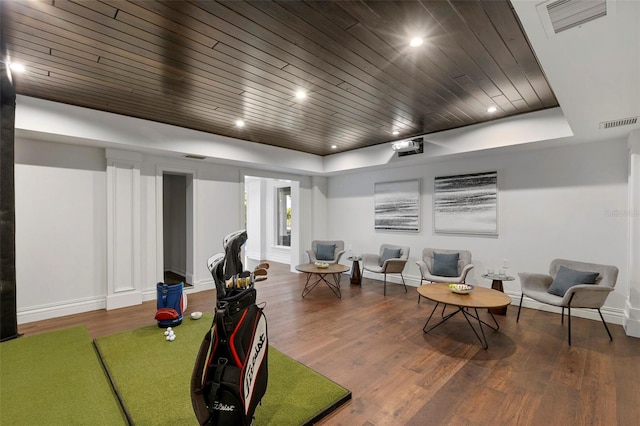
(374, 346)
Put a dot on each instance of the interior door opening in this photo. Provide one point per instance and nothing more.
(271, 220)
(177, 228)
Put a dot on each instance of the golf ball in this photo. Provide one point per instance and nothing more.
(168, 338)
(166, 333)
(172, 337)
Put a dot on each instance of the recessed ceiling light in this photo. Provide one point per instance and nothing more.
(17, 67)
(334, 146)
(395, 133)
(301, 94)
(240, 123)
(415, 42)
(492, 109)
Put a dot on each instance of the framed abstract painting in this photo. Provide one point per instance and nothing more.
(466, 204)
(397, 206)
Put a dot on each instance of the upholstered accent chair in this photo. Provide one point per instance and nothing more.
(571, 284)
(391, 259)
(326, 251)
(444, 266)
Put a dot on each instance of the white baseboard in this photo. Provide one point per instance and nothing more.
(631, 327)
(124, 299)
(55, 310)
(631, 322)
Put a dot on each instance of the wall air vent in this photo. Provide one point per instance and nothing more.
(566, 14)
(195, 157)
(561, 15)
(617, 123)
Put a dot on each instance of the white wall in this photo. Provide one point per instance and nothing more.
(61, 224)
(60, 228)
(553, 203)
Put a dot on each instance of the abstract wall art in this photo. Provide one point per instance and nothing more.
(397, 206)
(466, 204)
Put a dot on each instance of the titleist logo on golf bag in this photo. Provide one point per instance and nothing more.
(223, 407)
(256, 358)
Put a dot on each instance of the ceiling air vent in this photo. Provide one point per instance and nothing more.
(617, 123)
(195, 157)
(566, 14)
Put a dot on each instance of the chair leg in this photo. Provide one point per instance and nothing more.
(520, 307)
(405, 286)
(384, 291)
(569, 315)
(605, 325)
(569, 318)
(562, 316)
(419, 295)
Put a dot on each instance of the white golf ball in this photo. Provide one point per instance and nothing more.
(172, 337)
(168, 338)
(169, 329)
(166, 332)
(171, 333)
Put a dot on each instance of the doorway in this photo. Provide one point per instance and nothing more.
(177, 228)
(272, 220)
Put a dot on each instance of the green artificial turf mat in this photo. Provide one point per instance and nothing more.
(55, 378)
(152, 377)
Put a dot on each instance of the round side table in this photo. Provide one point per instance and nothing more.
(356, 275)
(496, 284)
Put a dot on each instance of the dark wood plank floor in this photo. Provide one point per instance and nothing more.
(374, 346)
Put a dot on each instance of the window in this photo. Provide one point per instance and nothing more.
(283, 216)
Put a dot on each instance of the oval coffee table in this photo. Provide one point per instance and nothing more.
(334, 269)
(479, 298)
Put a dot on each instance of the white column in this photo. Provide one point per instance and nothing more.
(631, 320)
(123, 228)
(319, 189)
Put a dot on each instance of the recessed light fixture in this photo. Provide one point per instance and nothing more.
(395, 133)
(17, 67)
(240, 123)
(301, 94)
(334, 146)
(415, 42)
(492, 109)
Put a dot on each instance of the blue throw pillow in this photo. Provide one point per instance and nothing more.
(566, 278)
(388, 253)
(325, 251)
(445, 264)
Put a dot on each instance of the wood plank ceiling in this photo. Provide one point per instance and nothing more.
(206, 64)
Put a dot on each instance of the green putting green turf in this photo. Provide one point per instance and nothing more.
(152, 377)
(55, 378)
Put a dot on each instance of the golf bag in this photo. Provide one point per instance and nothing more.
(229, 378)
(170, 305)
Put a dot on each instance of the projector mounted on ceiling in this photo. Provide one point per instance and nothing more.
(408, 147)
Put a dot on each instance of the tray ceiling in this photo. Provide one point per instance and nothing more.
(204, 65)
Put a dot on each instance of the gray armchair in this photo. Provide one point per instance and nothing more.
(336, 253)
(573, 277)
(461, 270)
(390, 260)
